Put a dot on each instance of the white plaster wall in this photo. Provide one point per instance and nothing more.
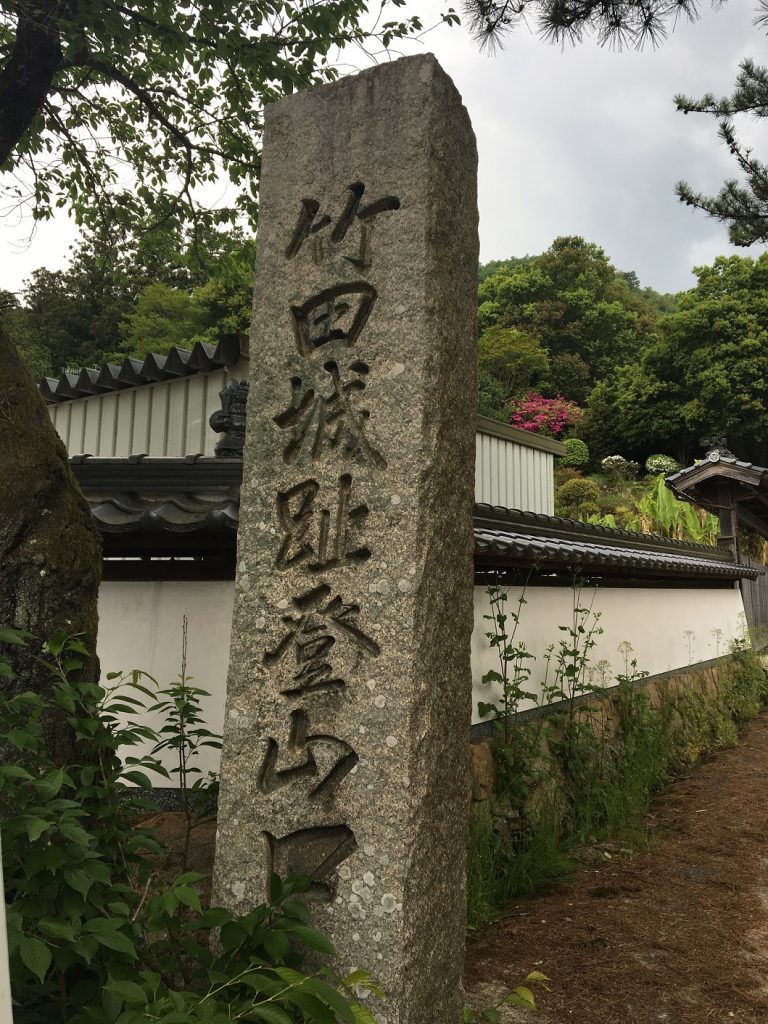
(667, 628)
(140, 626)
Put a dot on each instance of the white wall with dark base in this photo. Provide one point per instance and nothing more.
(140, 627)
(668, 628)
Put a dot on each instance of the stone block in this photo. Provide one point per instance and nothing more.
(483, 770)
(349, 692)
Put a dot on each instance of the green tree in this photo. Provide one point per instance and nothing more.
(13, 320)
(573, 300)
(172, 92)
(162, 317)
(514, 358)
(706, 373)
(742, 205)
(568, 376)
(80, 316)
(621, 23)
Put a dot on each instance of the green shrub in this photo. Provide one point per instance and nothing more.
(585, 772)
(577, 453)
(564, 473)
(577, 498)
(665, 464)
(94, 935)
(618, 468)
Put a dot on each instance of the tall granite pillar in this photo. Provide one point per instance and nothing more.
(348, 703)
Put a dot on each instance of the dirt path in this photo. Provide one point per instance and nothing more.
(676, 933)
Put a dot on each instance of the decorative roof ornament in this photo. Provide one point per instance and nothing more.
(229, 420)
(717, 450)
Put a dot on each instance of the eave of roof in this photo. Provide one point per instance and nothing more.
(191, 506)
(514, 538)
(177, 362)
(686, 482)
(723, 484)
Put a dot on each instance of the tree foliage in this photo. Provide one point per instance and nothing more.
(575, 303)
(706, 373)
(121, 111)
(515, 358)
(616, 22)
(742, 205)
(142, 295)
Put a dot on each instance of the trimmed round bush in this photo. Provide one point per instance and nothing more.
(577, 498)
(576, 455)
(620, 468)
(661, 464)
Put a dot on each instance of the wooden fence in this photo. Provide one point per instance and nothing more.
(755, 596)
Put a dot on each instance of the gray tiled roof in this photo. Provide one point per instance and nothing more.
(192, 502)
(181, 513)
(559, 553)
(177, 362)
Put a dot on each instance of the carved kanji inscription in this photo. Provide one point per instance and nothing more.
(313, 225)
(317, 531)
(315, 852)
(326, 760)
(336, 314)
(329, 419)
(311, 635)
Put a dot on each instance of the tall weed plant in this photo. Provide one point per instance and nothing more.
(586, 770)
(95, 934)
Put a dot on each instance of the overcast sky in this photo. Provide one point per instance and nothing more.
(583, 141)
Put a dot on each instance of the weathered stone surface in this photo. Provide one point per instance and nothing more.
(348, 706)
(483, 770)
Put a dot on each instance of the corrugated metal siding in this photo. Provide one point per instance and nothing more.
(513, 475)
(169, 418)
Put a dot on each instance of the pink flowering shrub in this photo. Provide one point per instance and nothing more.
(540, 415)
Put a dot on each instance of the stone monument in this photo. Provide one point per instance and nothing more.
(348, 702)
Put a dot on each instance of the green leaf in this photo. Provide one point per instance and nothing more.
(20, 737)
(127, 990)
(311, 1007)
(231, 936)
(50, 783)
(276, 944)
(105, 932)
(214, 917)
(36, 956)
(275, 888)
(521, 996)
(292, 908)
(33, 826)
(270, 1013)
(189, 877)
(361, 1015)
(184, 894)
(57, 929)
(329, 995)
(13, 637)
(311, 938)
(75, 834)
(138, 779)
